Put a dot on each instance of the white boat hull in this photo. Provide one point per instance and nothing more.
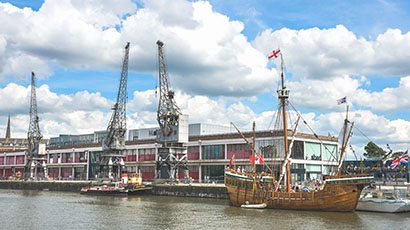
(382, 205)
(254, 206)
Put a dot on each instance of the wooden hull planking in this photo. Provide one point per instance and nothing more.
(342, 197)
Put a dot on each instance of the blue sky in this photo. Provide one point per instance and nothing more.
(216, 54)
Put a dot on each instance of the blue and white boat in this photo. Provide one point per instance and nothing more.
(379, 203)
(383, 205)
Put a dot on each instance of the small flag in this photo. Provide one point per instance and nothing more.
(274, 54)
(341, 100)
(403, 159)
(259, 160)
(231, 162)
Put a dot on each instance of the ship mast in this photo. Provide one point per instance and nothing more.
(345, 141)
(283, 95)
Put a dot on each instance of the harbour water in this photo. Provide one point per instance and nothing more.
(25, 209)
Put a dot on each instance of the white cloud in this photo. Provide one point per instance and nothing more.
(389, 99)
(208, 58)
(81, 112)
(323, 53)
(321, 95)
(368, 127)
(206, 52)
(85, 113)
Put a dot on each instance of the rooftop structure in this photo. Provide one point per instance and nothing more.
(197, 129)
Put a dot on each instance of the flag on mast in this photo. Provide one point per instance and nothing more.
(274, 54)
(402, 159)
(341, 100)
(232, 161)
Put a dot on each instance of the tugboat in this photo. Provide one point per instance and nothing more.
(136, 187)
(130, 185)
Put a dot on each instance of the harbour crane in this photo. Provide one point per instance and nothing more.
(173, 129)
(36, 151)
(112, 161)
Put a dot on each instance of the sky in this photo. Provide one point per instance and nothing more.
(216, 53)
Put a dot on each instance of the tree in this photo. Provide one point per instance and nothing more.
(372, 150)
(397, 154)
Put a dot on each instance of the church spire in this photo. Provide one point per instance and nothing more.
(8, 128)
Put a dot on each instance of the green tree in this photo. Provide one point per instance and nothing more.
(372, 150)
(396, 154)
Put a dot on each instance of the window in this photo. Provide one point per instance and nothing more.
(146, 151)
(313, 168)
(312, 151)
(241, 151)
(329, 152)
(266, 148)
(329, 170)
(213, 173)
(212, 152)
(193, 149)
(297, 150)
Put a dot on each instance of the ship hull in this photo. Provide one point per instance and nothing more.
(104, 191)
(338, 197)
(382, 205)
(139, 190)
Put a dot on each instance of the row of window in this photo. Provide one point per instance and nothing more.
(269, 148)
(239, 184)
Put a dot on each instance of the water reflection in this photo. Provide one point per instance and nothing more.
(57, 210)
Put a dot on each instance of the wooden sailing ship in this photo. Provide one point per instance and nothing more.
(339, 193)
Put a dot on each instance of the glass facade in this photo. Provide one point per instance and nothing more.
(131, 155)
(67, 158)
(193, 153)
(148, 172)
(278, 148)
(298, 150)
(213, 173)
(131, 169)
(241, 151)
(80, 173)
(80, 157)
(147, 154)
(329, 152)
(94, 164)
(329, 169)
(312, 151)
(266, 148)
(213, 152)
(314, 172)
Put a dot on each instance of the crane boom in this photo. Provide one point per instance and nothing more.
(33, 155)
(114, 143)
(168, 111)
(173, 133)
(118, 123)
(33, 135)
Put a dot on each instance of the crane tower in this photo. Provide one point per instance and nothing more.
(35, 153)
(173, 133)
(113, 145)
